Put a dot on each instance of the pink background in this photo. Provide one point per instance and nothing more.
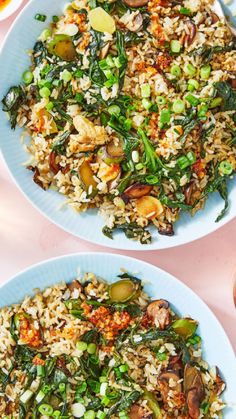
(208, 265)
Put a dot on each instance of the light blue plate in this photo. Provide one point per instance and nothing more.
(13, 61)
(159, 284)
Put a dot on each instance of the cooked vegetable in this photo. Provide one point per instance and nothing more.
(153, 404)
(12, 101)
(185, 327)
(101, 21)
(159, 312)
(62, 46)
(123, 291)
(135, 3)
(137, 190)
(194, 390)
(149, 207)
(87, 177)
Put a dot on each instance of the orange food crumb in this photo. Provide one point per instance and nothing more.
(38, 361)
(28, 334)
(199, 169)
(109, 323)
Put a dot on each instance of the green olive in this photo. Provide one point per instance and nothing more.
(63, 47)
(122, 291)
(185, 327)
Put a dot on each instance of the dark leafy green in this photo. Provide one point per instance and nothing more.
(207, 53)
(131, 230)
(12, 101)
(39, 53)
(127, 399)
(225, 91)
(60, 142)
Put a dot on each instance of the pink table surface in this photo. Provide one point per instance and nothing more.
(208, 266)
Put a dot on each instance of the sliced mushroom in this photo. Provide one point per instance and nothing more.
(214, 18)
(175, 363)
(135, 22)
(219, 383)
(189, 38)
(137, 190)
(167, 230)
(54, 166)
(138, 412)
(194, 390)
(136, 3)
(36, 176)
(193, 404)
(232, 83)
(159, 311)
(104, 51)
(75, 285)
(174, 377)
(188, 193)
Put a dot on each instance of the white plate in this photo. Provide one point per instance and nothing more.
(10, 9)
(159, 284)
(88, 226)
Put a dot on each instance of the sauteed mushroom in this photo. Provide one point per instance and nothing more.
(137, 190)
(189, 38)
(136, 3)
(159, 311)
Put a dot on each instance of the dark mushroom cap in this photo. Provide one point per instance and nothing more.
(167, 375)
(136, 3)
(159, 312)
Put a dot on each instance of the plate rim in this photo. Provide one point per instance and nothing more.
(113, 244)
(123, 261)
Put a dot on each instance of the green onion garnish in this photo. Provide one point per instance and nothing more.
(40, 18)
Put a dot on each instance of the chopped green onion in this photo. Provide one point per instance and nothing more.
(45, 34)
(123, 368)
(202, 111)
(193, 100)
(79, 97)
(205, 72)
(45, 409)
(215, 102)
(44, 92)
(175, 46)
(78, 73)
(123, 415)
(81, 388)
(128, 124)
(49, 106)
(66, 76)
(26, 396)
(105, 401)
(56, 414)
(226, 168)
(40, 18)
(114, 110)
(101, 415)
(81, 346)
(186, 161)
(102, 379)
(183, 162)
(193, 85)
(55, 19)
(139, 166)
(40, 371)
(110, 61)
(40, 396)
(191, 156)
(161, 100)
(146, 104)
(108, 73)
(190, 70)
(175, 70)
(152, 179)
(56, 83)
(27, 77)
(117, 62)
(164, 117)
(92, 347)
(178, 106)
(62, 387)
(90, 414)
(145, 90)
(161, 356)
(185, 11)
(111, 81)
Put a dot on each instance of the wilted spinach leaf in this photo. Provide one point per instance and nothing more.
(225, 91)
(59, 144)
(13, 100)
